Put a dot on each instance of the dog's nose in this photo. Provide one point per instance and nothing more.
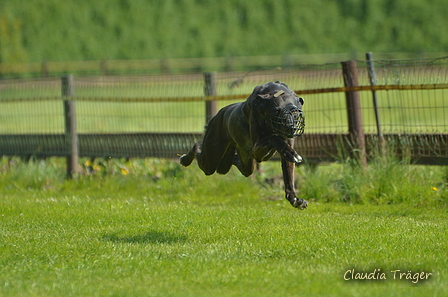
(295, 109)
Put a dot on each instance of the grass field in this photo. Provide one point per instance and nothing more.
(151, 228)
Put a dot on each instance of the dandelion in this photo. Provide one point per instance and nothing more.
(97, 167)
(124, 171)
(435, 189)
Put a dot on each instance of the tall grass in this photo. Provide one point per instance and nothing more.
(386, 179)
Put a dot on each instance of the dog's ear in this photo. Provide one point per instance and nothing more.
(301, 100)
(257, 90)
(264, 96)
(262, 103)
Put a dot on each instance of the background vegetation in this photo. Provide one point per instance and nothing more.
(52, 30)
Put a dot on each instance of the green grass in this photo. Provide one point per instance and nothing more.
(151, 228)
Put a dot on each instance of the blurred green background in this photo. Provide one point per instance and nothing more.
(54, 30)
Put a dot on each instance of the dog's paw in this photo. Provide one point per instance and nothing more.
(299, 203)
(292, 156)
(298, 159)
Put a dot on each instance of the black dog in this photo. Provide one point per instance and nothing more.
(253, 130)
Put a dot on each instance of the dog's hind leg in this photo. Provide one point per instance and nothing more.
(227, 161)
(186, 159)
(245, 164)
(213, 148)
(207, 162)
(209, 159)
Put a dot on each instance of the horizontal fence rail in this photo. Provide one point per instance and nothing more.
(241, 96)
(404, 107)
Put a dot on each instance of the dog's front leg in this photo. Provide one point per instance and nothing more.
(289, 159)
(284, 148)
(262, 149)
(288, 179)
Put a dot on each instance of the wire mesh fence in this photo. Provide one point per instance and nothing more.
(162, 115)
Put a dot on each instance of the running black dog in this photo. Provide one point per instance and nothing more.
(252, 131)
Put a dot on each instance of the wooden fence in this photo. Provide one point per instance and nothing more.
(421, 148)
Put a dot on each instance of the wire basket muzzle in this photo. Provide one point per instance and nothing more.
(287, 123)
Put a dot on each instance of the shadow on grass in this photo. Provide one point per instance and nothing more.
(151, 237)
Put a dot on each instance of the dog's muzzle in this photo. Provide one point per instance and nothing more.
(287, 123)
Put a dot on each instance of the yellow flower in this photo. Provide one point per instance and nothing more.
(124, 171)
(97, 167)
(434, 189)
(87, 163)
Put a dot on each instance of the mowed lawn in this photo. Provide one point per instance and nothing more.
(211, 236)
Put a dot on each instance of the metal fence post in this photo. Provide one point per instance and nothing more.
(355, 126)
(211, 106)
(372, 78)
(71, 137)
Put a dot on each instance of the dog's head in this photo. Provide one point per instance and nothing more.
(280, 109)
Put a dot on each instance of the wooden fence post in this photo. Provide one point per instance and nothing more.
(355, 127)
(71, 137)
(211, 107)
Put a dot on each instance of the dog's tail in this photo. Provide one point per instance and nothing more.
(186, 159)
